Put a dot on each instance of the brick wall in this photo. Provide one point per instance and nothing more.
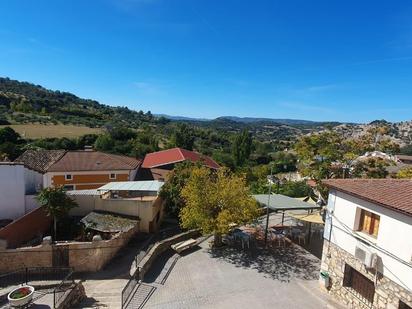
(35, 223)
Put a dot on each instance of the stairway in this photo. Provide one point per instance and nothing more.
(103, 293)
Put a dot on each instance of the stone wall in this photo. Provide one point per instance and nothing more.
(387, 293)
(83, 256)
(93, 256)
(160, 247)
(14, 259)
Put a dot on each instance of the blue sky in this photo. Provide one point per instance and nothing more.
(317, 60)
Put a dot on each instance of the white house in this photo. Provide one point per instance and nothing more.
(368, 242)
(18, 187)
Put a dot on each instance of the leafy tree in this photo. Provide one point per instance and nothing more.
(104, 143)
(406, 150)
(405, 173)
(213, 201)
(121, 133)
(7, 134)
(171, 190)
(144, 143)
(371, 168)
(242, 147)
(295, 189)
(284, 162)
(56, 203)
(183, 136)
(317, 152)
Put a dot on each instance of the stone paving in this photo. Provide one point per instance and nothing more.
(232, 278)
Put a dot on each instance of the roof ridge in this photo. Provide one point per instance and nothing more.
(181, 153)
(116, 157)
(164, 150)
(57, 160)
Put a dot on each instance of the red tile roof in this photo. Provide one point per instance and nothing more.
(175, 155)
(93, 161)
(395, 194)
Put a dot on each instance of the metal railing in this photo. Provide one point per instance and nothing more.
(60, 291)
(129, 288)
(61, 277)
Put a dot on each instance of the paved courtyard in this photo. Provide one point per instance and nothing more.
(231, 278)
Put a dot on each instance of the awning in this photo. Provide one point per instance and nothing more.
(311, 218)
(146, 185)
(279, 202)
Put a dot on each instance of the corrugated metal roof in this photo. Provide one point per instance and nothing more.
(147, 185)
(84, 192)
(282, 202)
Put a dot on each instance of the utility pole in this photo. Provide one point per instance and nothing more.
(267, 206)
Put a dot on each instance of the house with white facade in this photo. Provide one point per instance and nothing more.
(367, 249)
(18, 188)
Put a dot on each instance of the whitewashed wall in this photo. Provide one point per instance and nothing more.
(393, 243)
(12, 191)
(15, 181)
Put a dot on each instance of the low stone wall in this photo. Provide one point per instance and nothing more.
(387, 293)
(160, 247)
(83, 256)
(93, 256)
(14, 259)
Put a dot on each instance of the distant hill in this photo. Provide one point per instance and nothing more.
(280, 121)
(251, 120)
(22, 102)
(181, 118)
(26, 103)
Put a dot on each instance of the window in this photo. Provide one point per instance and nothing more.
(112, 176)
(362, 286)
(68, 177)
(369, 223)
(68, 187)
(402, 305)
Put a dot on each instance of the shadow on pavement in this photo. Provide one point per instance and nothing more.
(281, 264)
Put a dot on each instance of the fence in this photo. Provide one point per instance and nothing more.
(61, 277)
(60, 291)
(129, 288)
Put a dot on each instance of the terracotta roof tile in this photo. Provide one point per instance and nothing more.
(93, 161)
(395, 194)
(175, 155)
(40, 160)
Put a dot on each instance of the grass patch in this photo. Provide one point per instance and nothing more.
(43, 131)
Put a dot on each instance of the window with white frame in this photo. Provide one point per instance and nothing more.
(68, 177)
(112, 176)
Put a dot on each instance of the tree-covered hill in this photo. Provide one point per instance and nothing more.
(22, 102)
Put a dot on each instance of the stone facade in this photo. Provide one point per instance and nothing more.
(388, 294)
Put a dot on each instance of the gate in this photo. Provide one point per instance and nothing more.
(60, 256)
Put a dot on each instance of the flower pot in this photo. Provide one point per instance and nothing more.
(21, 296)
(324, 279)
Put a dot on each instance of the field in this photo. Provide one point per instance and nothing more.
(44, 131)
